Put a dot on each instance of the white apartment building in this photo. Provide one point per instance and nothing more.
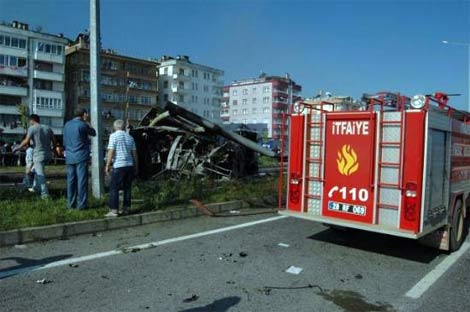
(31, 73)
(259, 100)
(196, 87)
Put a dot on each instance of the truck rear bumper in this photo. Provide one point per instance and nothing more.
(353, 224)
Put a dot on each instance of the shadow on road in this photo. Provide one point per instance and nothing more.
(26, 264)
(378, 243)
(220, 305)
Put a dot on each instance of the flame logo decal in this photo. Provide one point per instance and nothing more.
(347, 160)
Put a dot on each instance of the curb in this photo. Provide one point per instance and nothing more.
(65, 230)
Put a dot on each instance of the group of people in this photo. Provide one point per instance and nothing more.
(7, 157)
(121, 162)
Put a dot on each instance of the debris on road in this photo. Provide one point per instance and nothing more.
(283, 245)
(183, 144)
(20, 246)
(294, 270)
(243, 254)
(191, 299)
(43, 281)
(358, 276)
(104, 277)
(73, 265)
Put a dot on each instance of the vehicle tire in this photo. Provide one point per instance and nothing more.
(457, 233)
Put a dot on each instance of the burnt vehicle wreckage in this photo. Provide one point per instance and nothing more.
(178, 143)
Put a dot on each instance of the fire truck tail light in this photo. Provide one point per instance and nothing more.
(411, 201)
(294, 188)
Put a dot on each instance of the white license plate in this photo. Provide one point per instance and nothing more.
(347, 208)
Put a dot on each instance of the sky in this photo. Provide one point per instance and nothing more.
(344, 47)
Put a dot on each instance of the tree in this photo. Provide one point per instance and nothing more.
(24, 115)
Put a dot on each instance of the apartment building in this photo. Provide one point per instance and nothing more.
(196, 87)
(330, 102)
(31, 74)
(260, 100)
(129, 86)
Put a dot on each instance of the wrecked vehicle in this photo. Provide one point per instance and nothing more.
(179, 143)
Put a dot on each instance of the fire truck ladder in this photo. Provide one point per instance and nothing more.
(314, 161)
(390, 166)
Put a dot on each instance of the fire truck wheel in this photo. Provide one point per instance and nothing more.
(457, 227)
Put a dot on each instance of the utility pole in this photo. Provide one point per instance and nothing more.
(97, 174)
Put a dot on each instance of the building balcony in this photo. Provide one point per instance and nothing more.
(14, 71)
(8, 109)
(179, 89)
(280, 105)
(48, 94)
(48, 112)
(15, 52)
(48, 75)
(47, 57)
(14, 90)
(181, 76)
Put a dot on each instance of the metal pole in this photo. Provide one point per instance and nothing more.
(97, 174)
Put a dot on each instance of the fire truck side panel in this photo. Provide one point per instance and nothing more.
(413, 161)
(296, 161)
(436, 194)
(460, 163)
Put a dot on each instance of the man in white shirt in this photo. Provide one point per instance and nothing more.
(122, 155)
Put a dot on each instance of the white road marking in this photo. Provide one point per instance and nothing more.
(136, 247)
(429, 279)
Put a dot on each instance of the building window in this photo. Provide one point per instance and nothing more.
(253, 101)
(206, 88)
(266, 110)
(165, 97)
(266, 89)
(245, 121)
(253, 110)
(13, 42)
(235, 102)
(235, 112)
(181, 98)
(244, 111)
(245, 91)
(181, 71)
(194, 73)
(49, 48)
(266, 99)
(254, 90)
(245, 101)
(165, 71)
(234, 92)
(165, 84)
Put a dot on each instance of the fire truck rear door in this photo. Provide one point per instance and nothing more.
(349, 166)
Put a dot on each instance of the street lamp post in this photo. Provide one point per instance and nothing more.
(467, 45)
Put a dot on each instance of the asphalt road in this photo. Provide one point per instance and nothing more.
(234, 269)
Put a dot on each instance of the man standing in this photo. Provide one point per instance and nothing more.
(122, 155)
(42, 137)
(77, 153)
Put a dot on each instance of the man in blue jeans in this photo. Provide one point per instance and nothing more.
(77, 152)
(122, 155)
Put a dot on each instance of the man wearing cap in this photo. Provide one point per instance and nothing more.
(77, 152)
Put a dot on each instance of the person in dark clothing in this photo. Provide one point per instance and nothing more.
(77, 152)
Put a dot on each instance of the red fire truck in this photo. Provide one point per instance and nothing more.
(399, 166)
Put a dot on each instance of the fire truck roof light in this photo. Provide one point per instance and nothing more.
(418, 101)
